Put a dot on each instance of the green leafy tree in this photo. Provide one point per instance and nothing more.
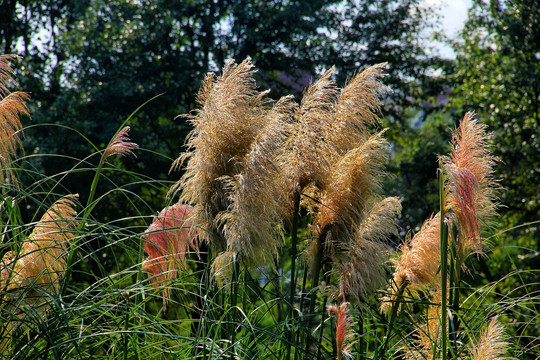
(498, 75)
(97, 61)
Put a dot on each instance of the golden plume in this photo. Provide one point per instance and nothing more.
(230, 116)
(357, 108)
(469, 191)
(309, 156)
(31, 275)
(493, 343)
(257, 197)
(362, 265)
(355, 182)
(12, 106)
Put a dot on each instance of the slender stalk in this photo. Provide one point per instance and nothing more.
(294, 252)
(126, 327)
(392, 319)
(314, 284)
(444, 264)
(455, 286)
(361, 345)
(234, 299)
(90, 204)
(302, 298)
(323, 318)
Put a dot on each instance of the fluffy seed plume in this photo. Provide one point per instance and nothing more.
(471, 185)
(36, 270)
(230, 116)
(343, 329)
(331, 122)
(419, 261)
(310, 155)
(469, 190)
(120, 145)
(493, 343)
(166, 241)
(252, 222)
(12, 106)
(357, 108)
(362, 269)
(355, 181)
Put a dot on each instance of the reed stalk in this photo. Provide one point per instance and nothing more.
(444, 264)
(293, 252)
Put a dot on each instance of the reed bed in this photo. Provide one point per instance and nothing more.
(277, 242)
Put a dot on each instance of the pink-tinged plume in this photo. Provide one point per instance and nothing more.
(120, 144)
(167, 240)
(343, 330)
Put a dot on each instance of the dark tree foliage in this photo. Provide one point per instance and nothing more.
(89, 64)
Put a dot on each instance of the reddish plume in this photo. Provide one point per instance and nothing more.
(167, 240)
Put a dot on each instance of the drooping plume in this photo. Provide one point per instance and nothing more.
(12, 106)
(167, 241)
(355, 182)
(120, 145)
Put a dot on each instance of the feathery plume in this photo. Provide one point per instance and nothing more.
(6, 73)
(120, 144)
(420, 258)
(471, 186)
(252, 222)
(309, 151)
(230, 116)
(357, 107)
(343, 329)
(330, 122)
(363, 269)
(493, 343)
(469, 189)
(166, 241)
(29, 276)
(418, 263)
(12, 106)
(355, 180)
(41, 259)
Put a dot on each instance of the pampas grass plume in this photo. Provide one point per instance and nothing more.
(12, 106)
(166, 241)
